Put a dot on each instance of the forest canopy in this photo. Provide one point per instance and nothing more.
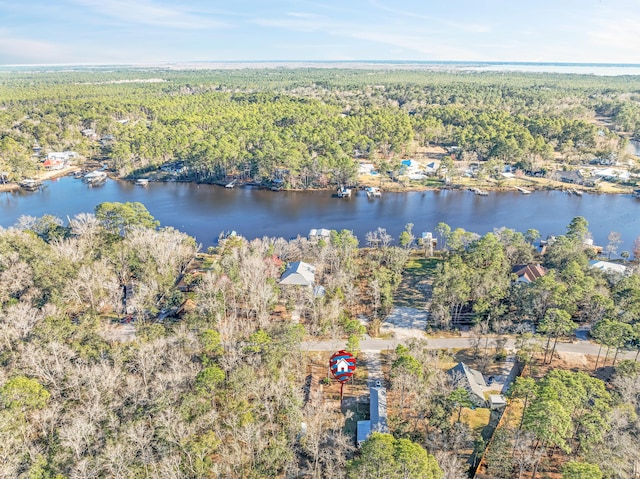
(307, 126)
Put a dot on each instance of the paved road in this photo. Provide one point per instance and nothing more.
(579, 346)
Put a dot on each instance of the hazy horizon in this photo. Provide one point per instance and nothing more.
(116, 32)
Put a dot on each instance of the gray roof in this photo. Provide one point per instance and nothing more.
(464, 376)
(319, 233)
(299, 273)
(364, 430)
(377, 413)
(378, 410)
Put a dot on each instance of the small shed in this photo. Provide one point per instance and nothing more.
(497, 401)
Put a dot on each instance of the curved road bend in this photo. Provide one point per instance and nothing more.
(578, 347)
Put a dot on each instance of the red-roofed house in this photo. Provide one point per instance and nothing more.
(53, 164)
(527, 273)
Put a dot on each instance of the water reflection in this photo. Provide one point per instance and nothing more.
(204, 210)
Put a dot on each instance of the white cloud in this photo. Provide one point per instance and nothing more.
(148, 13)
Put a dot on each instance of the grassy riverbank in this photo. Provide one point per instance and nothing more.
(42, 176)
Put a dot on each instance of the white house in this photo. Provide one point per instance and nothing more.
(61, 155)
(613, 174)
(411, 164)
(365, 168)
(432, 168)
(317, 234)
(299, 273)
(609, 267)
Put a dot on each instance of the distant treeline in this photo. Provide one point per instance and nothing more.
(308, 126)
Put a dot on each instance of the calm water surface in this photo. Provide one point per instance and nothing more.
(204, 211)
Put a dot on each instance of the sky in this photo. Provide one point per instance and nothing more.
(158, 31)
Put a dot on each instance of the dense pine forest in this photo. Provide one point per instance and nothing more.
(308, 126)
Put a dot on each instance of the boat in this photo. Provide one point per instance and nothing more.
(479, 192)
(277, 184)
(373, 192)
(30, 185)
(636, 193)
(95, 178)
(142, 182)
(577, 192)
(230, 184)
(344, 192)
(523, 190)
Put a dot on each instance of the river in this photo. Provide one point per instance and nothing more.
(204, 211)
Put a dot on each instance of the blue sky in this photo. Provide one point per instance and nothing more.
(152, 31)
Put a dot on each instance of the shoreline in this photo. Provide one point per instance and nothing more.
(386, 185)
(47, 175)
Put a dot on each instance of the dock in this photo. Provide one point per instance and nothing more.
(30, 185)
(95, 178)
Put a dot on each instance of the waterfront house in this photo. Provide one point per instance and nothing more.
(366, 168)
(53, 164)
(612, 174)
(462, 376)
(61, 155)
(299, 274)
(410, 164)
(611, 268)
(575, 177)
(318, 234)
(432, 168)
